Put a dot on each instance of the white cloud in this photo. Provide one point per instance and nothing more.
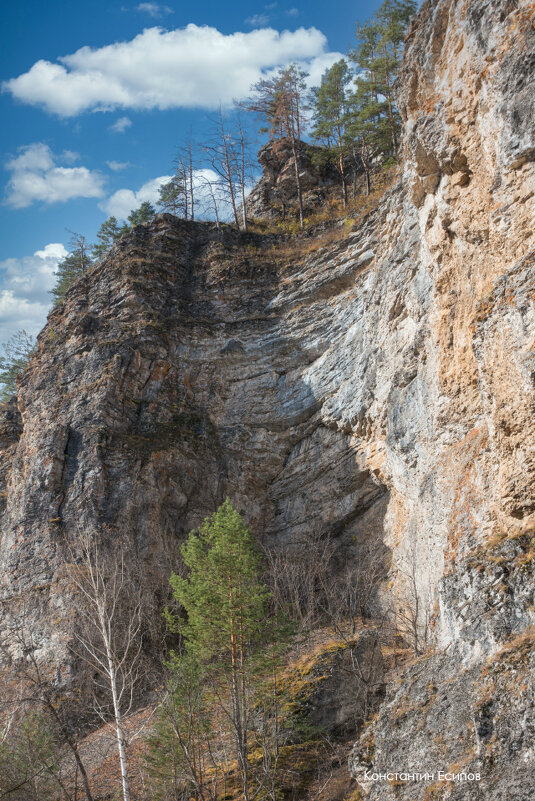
(70, 156)
(317, 66)
(154, 10)
(257, 20)
(293, 12)
(193, 67)
(117, 166)
(120, 125)
(35, 177)
(24, 294)
(122, 202)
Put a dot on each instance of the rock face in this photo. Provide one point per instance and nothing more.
(275, 193)
(380, 389)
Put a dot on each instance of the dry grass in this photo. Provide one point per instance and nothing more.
(329, 224)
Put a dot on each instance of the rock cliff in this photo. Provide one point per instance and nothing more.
(380, 390)
(275, 193)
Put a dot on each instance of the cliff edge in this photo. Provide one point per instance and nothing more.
(378, 390)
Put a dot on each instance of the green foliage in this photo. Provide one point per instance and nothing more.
(173, 194)
(108, 233)
(17, 351)
(330, 105)
(72, 267)
(222, 681)
(177, 759)
(225, 602)
(378, 57)
(144, 214)
(331, 117)
(280, 101)
(29, 760)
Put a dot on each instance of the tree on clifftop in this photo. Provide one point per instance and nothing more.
(144, 214)
(281, 101)
(108, 233)
(74, 265)
(331, 117)
(378, 56)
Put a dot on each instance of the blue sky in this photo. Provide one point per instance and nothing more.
(96, 98)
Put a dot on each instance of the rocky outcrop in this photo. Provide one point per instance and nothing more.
(275, 195)
(378, 390)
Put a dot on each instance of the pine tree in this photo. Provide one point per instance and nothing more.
(29, 759)
(378, 57)
(108, 233)
(142, 215)
(367, 128)
(172, 195)
(179, 762)
(331, 116)
(226, 605)
(17, 351)
(74, 265)
(281, 101)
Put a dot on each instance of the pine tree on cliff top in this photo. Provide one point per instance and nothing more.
(74, 265)
(331, 117)
(378, 57)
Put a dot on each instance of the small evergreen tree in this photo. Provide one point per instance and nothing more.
(29, 759)
(17, 351)
(172, 195)
(226, 606)
(144, 214)
(108, 233)
(179, 761)
(74, 265)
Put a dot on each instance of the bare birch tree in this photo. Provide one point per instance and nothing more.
(109, 640)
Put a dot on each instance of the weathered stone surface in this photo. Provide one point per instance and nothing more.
(382, 386)
(275, 194)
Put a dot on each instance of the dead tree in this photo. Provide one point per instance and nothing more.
(221, 152)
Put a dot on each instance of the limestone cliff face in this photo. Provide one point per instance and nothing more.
(382, 387)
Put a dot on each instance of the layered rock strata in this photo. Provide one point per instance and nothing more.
(380, 389)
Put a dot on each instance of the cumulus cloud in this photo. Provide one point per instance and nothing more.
(317, 66)
(154, 10)
(122, 202)
(26, 283)
(117, 166)
(191, 67)
(36, 177)
(257, 20)
(70, 156)
(120, 125)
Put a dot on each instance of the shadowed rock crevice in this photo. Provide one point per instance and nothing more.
(377, 390)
